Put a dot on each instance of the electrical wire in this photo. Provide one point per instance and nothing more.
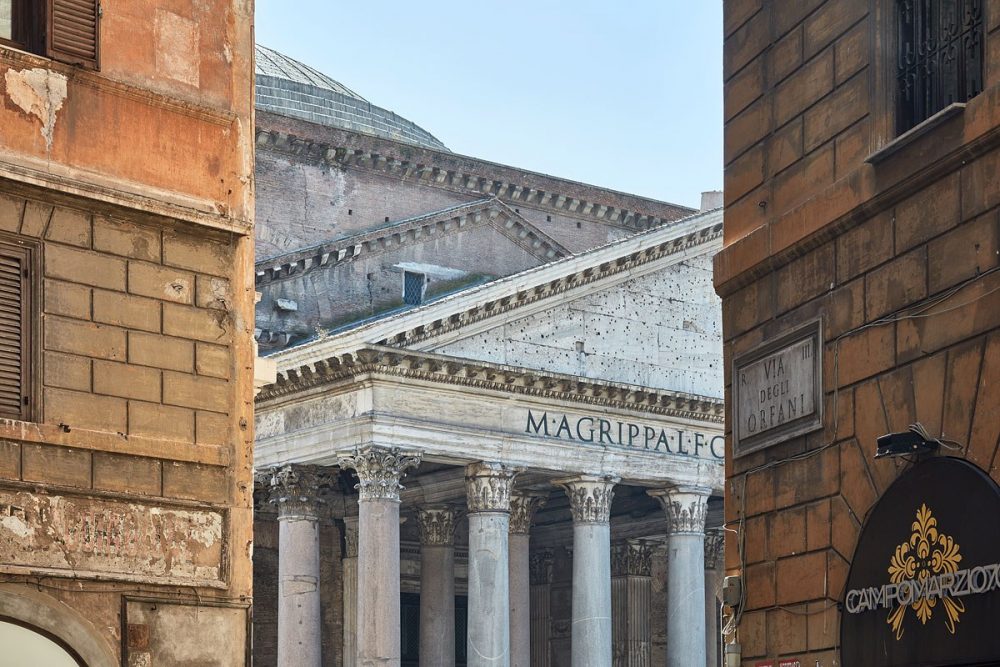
(912, 312)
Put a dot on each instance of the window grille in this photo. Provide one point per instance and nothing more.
(413, 288)
(940, 56)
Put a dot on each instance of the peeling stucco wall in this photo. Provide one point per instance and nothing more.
(40, 93)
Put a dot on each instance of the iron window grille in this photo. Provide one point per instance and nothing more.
(413, 288)
(940, 57)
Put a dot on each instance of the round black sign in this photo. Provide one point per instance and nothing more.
(924, 587)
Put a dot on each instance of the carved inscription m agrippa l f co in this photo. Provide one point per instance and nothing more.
(777, 390)
(110, 539)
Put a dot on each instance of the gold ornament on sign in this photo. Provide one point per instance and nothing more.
(927, 553)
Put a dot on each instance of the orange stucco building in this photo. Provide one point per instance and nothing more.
(126, 321)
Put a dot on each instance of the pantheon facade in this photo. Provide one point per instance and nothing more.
(495, 436)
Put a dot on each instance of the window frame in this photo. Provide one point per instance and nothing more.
(33, 32)
(916, 112)
(423, 286)
(883, 85)
(26, 26)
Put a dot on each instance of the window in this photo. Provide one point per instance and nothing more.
(64, 30)
(939, 57)
(16, 327)
(413, 288)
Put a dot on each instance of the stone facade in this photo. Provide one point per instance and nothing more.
(139, 421)
(892, 241)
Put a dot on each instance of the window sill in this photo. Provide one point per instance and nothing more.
(915, 132)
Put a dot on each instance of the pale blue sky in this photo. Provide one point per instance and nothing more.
(624, 95)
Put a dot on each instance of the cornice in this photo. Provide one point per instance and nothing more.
(569, 281)
(394, 363)
(426, 168)
(414, 230)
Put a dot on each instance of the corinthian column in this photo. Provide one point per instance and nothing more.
(522, 510)
(488, 490)
(590, 502)
(631, 592)
(296, 490)
(437, 585)
(379, 471)
(685, 508)
(350, 590)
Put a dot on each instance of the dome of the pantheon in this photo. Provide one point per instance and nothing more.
(290, 88)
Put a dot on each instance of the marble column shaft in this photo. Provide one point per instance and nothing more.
(631, 596)
(379, 471)
(522, 510)
(350, 600)
(296, 492)
(437, 585)
(541, 615)
(488, 487)
(714, 565)
(590, 503)
(685, 508)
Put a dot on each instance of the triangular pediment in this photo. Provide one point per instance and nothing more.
(654, 285)
(661, 328)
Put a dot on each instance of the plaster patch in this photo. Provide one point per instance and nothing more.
(178, 54)
(38, 92)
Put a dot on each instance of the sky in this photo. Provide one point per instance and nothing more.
(625, 95)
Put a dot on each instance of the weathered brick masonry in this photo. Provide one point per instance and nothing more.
(813, 227)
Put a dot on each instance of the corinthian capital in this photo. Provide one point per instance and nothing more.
(522, 510)
(589, 497)
(540, 567)
(632, 558)
(437, 525)
(487, 486)
(350, 537)
(685, 507)
(715, 541)
(379, 470)
(299, 490)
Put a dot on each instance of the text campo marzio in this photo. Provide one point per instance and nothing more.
(625, 434)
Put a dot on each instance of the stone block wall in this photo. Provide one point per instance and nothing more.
(657, 330)
(897, 254)
(136, 375)
(137, 325)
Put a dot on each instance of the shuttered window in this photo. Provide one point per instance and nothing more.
(16, 279)
(72, 33)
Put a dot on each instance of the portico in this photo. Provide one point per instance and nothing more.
(491, 467)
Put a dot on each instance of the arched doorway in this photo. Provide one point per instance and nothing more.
(24, 645)
(53, 632)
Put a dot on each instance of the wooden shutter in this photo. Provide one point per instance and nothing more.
(72, 33)
(15, 330)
